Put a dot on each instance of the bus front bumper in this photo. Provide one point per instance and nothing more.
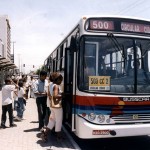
(86, 130)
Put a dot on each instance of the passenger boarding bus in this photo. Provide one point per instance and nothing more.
(105, 62)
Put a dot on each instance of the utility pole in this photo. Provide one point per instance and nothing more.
(13, 42)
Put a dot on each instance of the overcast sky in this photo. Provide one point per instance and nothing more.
(38, 26)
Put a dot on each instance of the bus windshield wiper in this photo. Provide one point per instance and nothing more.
(116, 44)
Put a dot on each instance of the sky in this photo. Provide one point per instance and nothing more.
(38, 26)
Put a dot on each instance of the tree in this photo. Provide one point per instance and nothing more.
(38, 70)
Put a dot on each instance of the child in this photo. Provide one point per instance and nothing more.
(21, 95)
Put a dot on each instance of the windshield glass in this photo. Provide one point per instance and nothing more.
(113, 64)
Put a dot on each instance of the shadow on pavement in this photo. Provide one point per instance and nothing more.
(52, 142)
(32, 130)
(34, 122)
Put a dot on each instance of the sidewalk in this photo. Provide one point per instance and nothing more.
(26, 135)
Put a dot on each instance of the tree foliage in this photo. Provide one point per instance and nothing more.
(38, 70)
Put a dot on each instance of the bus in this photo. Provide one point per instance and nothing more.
(105, 62)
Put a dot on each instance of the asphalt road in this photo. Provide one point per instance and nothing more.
(125, 143)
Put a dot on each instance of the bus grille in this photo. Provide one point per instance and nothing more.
(131, 118)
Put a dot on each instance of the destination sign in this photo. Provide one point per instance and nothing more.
(101, 25)
(133, 27)
(120, 25)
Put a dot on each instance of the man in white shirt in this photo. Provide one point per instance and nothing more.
(7, 90)
(41, 98)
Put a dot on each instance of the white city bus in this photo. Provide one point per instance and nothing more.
(105, 62)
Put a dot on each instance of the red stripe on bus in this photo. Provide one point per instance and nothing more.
(92, 101)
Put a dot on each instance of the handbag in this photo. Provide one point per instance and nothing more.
(55, 103)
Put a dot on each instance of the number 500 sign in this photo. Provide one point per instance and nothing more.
(99, 83)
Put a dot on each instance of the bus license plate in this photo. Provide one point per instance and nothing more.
(100, 132)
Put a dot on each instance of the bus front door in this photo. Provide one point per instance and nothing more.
(68, 87)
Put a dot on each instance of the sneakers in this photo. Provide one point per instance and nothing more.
(23, 118)
(17, 118)
(13, 125)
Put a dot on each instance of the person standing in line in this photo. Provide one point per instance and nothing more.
(32, 84)
(47, 102)
(56, 115)
(23, 79)
(21, 95)
(41, 98)
(7, 100)
(50, 81)
(26, 86)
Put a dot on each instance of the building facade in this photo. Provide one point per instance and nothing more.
(6, 62)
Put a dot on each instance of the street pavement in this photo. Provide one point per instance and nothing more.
(26, 135)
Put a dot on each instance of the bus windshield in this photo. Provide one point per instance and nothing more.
(123, 60)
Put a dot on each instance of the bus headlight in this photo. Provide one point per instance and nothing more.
(101, 118)
(91, 116)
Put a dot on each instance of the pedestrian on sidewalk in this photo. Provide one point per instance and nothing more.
(56, 115)
(32, 85)
(47, 102)
(21, 98)
(41, 98)
(26, 87)
(7, 92)
(48, 111)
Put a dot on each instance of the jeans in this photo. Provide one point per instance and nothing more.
(20, 108)
(41, 107)
(6, 108)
